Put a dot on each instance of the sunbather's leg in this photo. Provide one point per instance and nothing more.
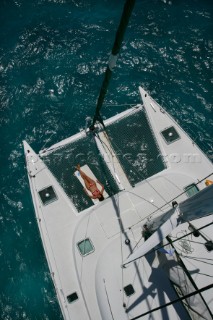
(87, 180)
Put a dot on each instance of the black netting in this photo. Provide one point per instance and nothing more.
(62, 164)
(135, 147)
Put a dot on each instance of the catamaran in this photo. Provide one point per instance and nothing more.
(146, 250)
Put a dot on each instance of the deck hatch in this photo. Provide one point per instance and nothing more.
(72, 297)
(47, 195)
(170, 135)
(129, 290)
(85, 247)
(191, 190)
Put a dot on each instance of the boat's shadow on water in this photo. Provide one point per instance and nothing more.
(160, 288)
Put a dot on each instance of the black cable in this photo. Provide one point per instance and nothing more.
(174, 301)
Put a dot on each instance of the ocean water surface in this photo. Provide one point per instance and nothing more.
(53, 54)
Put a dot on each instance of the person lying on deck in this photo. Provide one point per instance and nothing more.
(91, 186)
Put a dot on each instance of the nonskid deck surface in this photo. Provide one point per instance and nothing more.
(133, 144)
(106, 226)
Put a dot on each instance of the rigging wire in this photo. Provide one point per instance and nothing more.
(175, 198)
(202, 234)
(172, 241)
(151, 203)
(172, 182)
(210, 286)
(200, 260)
(181, 262)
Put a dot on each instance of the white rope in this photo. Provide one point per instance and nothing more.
(184, 243)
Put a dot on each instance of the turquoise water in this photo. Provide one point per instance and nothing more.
(52, 58)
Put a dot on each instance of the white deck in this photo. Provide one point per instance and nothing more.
(98, 278)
